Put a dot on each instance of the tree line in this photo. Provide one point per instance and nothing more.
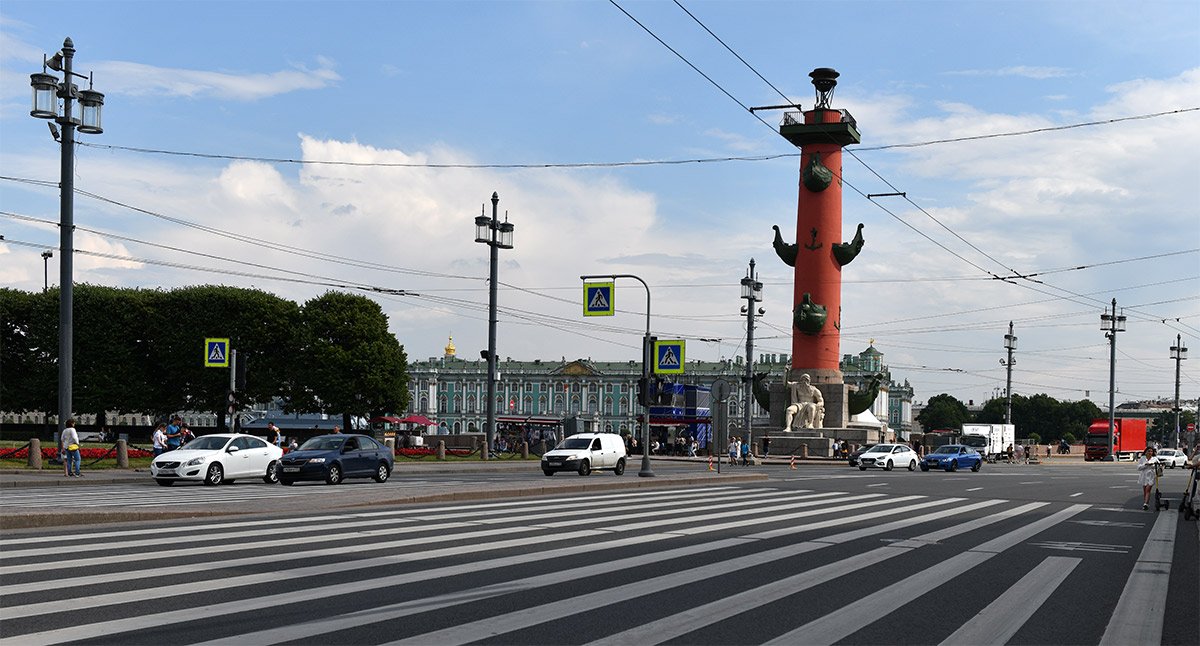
(1040, 417)
(142, 351)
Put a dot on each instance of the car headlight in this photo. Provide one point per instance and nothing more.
(316, 460)
(194, 461)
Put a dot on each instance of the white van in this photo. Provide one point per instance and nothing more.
(584, 452)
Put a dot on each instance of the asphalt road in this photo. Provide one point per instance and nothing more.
(820, 554)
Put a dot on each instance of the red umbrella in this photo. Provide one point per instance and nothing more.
(416, 419)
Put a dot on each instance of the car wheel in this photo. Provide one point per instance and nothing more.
(382, 472)
(164, 482)
(272, 475)
(862, 468)
(977, 466)
(620, 469)
(548, 472)
(924, 467)
(214, 475)
(585, 467)
(953, 466)
(912, 466)
(335, 474)
(888, 466)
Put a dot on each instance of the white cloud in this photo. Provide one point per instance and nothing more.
(1026, 71)
(138, 79)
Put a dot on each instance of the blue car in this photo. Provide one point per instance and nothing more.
(953, 457)
(333, 458)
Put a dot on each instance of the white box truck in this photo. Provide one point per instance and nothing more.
(990, 440)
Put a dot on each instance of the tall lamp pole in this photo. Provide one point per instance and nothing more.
(49, 95)
(46, 255)
(1178, 353)
(497, 235)
(752, 293)
(1111, 323)
(1010, 344)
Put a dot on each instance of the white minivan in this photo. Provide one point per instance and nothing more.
(585, 452)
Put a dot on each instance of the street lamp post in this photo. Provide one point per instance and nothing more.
(497, 235)
(1010, 344)
(752, 293)
(46, 255)
(1178, 353)
(647, 349)
(49, 93)
(1112, 322)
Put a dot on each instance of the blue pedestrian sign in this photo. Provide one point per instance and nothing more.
(668, 357)
(598, 299)
(216, 353)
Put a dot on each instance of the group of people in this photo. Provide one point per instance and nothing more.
(739, 451)
(171, 436)
(1147, 470)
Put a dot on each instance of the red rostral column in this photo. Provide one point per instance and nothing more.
(820, 253)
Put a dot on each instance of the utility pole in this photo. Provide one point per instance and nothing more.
(1010, 344)
(1111, 323)
(1178, 353)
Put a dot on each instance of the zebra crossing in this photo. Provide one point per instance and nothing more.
(717, 564)
(142, 495)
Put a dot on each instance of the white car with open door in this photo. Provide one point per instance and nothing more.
(220, 458)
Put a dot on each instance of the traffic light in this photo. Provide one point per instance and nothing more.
(239, 373)
(643, 391)
(233, 403)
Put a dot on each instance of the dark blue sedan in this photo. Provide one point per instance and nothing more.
(333, 458)
(953, 457)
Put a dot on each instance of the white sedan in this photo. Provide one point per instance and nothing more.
(214, 459)
(888, 457)
(1171, 458)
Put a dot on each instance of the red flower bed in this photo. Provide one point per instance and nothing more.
(85, 454)
(424, 451)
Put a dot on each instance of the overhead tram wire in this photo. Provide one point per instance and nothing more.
(1010, 279)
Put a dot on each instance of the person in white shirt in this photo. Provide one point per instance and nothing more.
(1146, 465)
(70, 438)
(160, 439)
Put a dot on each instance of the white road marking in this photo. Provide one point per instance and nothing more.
(1138, 617)
(1000, 620)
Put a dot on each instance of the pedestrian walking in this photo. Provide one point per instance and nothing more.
(175, 433)
(1146, 465)
(746, 453)
(70, 441)
(733, 451)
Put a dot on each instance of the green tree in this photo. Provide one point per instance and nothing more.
(350, 361)
(943, 412)
(29, 349)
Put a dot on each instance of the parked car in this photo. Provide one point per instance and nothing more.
(857, 454)
(888, 457)
(953, 457)
(1171, 458)
(585, 452)
(335, 457)
(216, 459)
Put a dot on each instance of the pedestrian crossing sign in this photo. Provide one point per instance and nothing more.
(668, 357)
(216, 353)
(598, 299)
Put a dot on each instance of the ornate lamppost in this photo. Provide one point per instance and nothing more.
(496, 235)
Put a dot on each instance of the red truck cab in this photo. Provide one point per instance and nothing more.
(1129, 439)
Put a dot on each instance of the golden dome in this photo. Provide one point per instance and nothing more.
(450, 347)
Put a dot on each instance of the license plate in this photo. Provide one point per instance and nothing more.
(291, 469)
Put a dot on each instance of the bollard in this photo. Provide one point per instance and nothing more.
(483, 452)
(524, 450)
(803, 451)
(441, 449)
(35, 453)
(122, 454)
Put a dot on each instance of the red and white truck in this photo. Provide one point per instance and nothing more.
(1129, 439)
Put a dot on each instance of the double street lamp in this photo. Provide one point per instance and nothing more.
(1178, 353)
(46, 255)
(497, 235)
(53, 99)
(752, 293)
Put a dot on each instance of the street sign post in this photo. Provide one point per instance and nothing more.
(216, 353)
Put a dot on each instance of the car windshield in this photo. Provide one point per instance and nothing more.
(207, 443)
(323, 444)
(974, 440)
(881, 448)
(575, 443)
(947, 449)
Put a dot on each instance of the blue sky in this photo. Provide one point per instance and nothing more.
(479, 84)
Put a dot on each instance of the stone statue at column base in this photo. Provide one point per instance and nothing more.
(806, 402)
